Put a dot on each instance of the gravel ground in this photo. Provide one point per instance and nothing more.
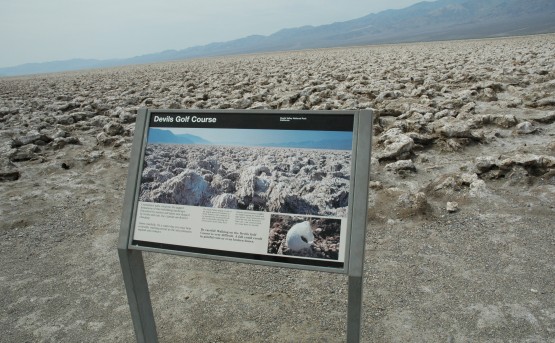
(460, 243)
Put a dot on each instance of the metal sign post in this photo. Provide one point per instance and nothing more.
(131, 261)
(177, 203)
(359, 220)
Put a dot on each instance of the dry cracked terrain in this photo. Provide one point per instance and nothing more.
(460, 244)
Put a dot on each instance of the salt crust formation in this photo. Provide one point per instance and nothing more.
(296, 181)
(466, 122)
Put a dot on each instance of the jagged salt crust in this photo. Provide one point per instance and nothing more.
(295, 181)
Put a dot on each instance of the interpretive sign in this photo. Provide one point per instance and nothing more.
(278, 188)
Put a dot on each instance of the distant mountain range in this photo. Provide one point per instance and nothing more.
(424, 21)
(161, 136)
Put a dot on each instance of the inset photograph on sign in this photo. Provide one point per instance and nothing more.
(304, 236)
(275, 187)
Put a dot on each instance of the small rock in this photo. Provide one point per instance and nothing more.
(416, 203)
(376, 185)
(58, 143)
(78, 116)
(504, 121)
(103, 139)
(478, 189)
(468, 178)
(452, 207)
(401, 165)
(12, 175)
(550, 101)
(32, 138)
(489, 94)
(25, 153)
(6, 110)
(396, 144)
(388, 95)
(8, 171)
(65, 119)
(446, 183)
(444, 113)
(547, 119)
(60, 134)
(113, 129)
(454, 128)
(469, 107)
(525, 128)
(72, 140)
(485, 163)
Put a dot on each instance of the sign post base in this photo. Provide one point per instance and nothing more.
(136, 285)
(354, 309)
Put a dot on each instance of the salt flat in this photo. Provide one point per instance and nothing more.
(460, 244)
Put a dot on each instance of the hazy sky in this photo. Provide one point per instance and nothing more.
(48, 30)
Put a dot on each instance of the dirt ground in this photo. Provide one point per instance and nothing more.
(481, 272)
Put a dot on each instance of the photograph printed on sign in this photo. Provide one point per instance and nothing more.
(285, 171)
(304, 236)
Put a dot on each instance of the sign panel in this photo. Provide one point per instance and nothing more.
(270, 188)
